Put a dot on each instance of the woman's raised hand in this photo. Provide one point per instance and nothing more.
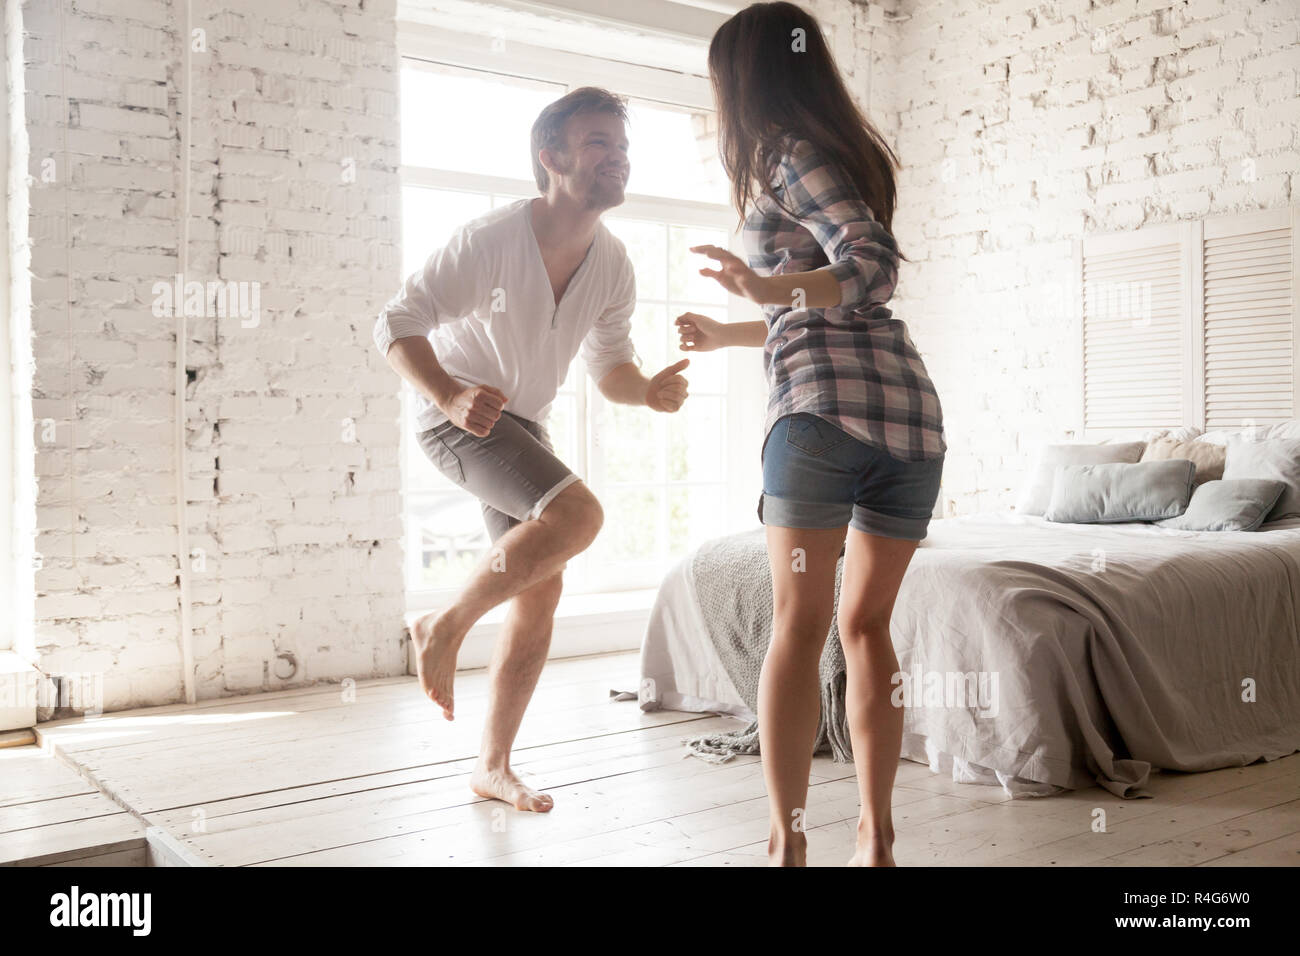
(732, 273)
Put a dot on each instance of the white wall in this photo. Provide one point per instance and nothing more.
(299, 529)
(17, 483)
(1022, 126)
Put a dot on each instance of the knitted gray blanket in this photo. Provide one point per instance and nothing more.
(736, 603)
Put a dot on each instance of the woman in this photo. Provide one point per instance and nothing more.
(854, 442)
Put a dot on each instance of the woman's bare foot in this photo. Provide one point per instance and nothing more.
(504, 784)
(790, 849)
(874, 849)
(436, 645)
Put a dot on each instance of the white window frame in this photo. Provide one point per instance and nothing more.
(746, 390)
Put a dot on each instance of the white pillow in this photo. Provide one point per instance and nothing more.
(1222, 436)
(1277, 460)
(1183, 433)
(1288, 430)
(1037, 492)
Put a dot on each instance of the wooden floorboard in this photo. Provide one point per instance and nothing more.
(316, 778)
(50, 815)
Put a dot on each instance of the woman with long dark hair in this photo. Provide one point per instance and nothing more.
(854, 445)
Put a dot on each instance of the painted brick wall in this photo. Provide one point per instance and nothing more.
(293, 476)
(1022, 126)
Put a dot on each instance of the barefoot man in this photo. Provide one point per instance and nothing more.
(486, 333)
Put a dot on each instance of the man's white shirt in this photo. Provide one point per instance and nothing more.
(486, 304)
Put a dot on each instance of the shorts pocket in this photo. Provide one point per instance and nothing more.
(813, 435)
(448, 461)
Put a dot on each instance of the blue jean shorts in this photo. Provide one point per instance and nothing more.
(816, 475)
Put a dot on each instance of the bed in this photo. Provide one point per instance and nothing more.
(1110, 650)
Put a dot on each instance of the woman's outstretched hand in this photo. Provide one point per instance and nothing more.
(699, 333)
(732, 273)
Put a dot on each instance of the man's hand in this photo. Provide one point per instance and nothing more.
(475, 409)
(733, 274)
(667, 389)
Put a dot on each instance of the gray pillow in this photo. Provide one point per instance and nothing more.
(1229, 505)
(1100, 494)
(1274, 459)
(1037, 494)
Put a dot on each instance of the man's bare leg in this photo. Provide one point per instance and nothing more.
(533, 551)
(517, 662)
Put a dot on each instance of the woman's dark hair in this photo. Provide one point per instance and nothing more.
(773, 76)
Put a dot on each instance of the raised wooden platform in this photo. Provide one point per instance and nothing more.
(52, 816)
(316, 777)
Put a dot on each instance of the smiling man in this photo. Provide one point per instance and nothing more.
(486, 333)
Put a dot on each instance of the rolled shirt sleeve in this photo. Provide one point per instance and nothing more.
(453, 282)
(609, 343)
(863, 255)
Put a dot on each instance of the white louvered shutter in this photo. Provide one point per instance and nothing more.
(1249, 319)
(1134, 330)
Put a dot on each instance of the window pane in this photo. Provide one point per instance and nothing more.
(694, 516)
(631, 443)
(470, 121)
(685, 281)
(452, 538)
(650, 337)
(562, 426)
(430, 216)
(633, 531)
(647, 248)
(674, 153)
(695, 441)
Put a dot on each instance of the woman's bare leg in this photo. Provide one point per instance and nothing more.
(789, 693)
(873, 571)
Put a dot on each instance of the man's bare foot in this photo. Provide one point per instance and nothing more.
(436, 645)
(505, 785)
(874, 849)
(787, 850)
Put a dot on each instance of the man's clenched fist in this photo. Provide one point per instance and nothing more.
(476, 409)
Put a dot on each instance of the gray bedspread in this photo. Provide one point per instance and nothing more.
(1063, 654)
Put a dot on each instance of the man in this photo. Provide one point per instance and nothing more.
(510, 301)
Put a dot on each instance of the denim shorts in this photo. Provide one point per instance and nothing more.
(513, 471)
(816, 475)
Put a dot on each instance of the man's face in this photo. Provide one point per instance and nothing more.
(593, 167)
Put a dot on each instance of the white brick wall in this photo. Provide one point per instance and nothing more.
(298, 528)
(1022, 126)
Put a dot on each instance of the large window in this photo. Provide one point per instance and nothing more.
(665, 480)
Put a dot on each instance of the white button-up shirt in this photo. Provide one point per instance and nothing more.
(486, 303)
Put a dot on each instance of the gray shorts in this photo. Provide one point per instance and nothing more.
(513, 472)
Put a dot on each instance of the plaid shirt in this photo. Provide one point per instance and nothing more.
(853, 365)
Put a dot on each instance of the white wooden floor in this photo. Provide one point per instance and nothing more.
(309, 778)
(52, 816)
